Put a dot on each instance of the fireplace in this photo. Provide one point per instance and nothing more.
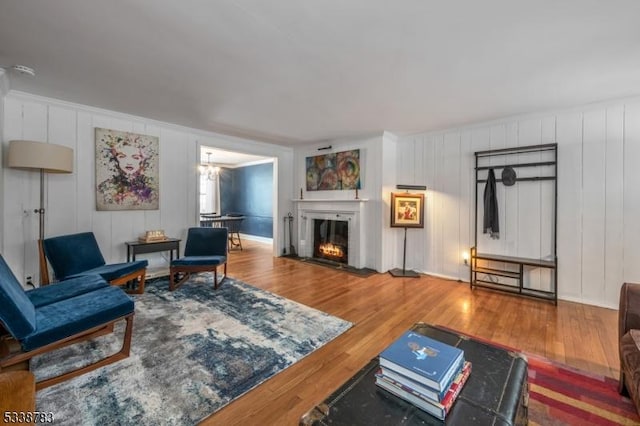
(349, 215)
(331, 240)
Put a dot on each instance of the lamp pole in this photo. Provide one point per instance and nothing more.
(40, 211)
(44, 273)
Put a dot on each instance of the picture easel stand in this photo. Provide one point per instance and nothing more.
(397, 272)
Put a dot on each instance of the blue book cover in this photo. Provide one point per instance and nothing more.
(423, 359)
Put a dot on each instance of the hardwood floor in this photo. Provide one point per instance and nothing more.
(382, 307)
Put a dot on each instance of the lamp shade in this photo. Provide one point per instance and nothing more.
(48, 157)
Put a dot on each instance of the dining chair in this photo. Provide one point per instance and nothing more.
(233, 225)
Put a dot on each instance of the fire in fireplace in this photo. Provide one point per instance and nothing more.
(331, 240)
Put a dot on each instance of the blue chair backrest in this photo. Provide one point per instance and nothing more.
(206, 242)
(72, 254)
(16, 310)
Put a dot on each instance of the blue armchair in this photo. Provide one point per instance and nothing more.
(77, 255)
(44, 320)
(205, 250)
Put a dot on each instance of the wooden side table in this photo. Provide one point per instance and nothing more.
(142, 247)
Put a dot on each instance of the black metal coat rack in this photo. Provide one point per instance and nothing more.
(518, 264)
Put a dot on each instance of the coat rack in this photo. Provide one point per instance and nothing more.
(512, 268)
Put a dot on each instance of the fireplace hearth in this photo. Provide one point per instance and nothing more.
(331, 240)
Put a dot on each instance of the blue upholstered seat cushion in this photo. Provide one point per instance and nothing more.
(17, 313)
(72, 254)
(114, 270)
(199, 261)
(206, 242)
(65, 289)
(70, 316)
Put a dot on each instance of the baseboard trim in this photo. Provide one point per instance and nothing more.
(446, 277)
(256, 238)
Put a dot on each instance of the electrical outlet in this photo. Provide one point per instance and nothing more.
(29, 280)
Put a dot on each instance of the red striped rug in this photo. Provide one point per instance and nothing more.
(561, 395)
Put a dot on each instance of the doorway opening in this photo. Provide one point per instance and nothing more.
(240, 185)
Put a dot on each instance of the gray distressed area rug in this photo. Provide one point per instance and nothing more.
(193, 351)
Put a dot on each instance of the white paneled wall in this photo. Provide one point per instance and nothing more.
(70, 203)
(631, 192)
(376, 153)
(598, 233)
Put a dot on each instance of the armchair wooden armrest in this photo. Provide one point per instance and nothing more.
(17, 392)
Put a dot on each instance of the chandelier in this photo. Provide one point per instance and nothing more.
(208, 169)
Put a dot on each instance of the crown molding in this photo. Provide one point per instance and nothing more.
(215, 139)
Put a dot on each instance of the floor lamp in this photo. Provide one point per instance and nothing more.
(47, 158)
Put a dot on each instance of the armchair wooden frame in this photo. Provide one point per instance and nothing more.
(139, 275)
(13, 358)
(187, 270)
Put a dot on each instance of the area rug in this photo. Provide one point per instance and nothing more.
(193, 351)
(561, 395)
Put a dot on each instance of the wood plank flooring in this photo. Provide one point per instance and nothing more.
(382, 307)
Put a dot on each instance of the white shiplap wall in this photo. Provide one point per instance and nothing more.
(598, 232)
(70, 204)
(377, 166)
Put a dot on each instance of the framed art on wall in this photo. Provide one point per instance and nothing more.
(407, 210)
(334, 171)
(126, 171)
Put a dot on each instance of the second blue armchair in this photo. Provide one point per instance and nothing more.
(206, 249)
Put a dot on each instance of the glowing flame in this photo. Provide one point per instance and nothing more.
(330, 249)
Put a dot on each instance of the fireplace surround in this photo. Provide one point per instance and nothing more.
(347, 213)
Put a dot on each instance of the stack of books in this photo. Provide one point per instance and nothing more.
(424, 372)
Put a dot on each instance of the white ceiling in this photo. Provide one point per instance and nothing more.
(290, 71)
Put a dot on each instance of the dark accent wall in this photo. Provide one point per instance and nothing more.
(249, 191)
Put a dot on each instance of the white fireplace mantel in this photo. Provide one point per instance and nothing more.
(350, 210)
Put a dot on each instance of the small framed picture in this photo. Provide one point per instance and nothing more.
(407, 210)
